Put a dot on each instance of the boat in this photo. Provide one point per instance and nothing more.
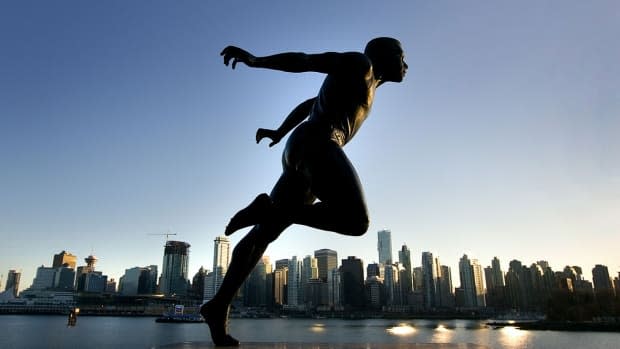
(183, 318)
(178, 316)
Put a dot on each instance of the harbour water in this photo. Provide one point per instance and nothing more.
(28, 331)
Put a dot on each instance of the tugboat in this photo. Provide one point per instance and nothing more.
(179, 317)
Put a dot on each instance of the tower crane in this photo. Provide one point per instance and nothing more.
(166, 234)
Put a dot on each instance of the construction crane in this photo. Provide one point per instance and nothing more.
(167, 234)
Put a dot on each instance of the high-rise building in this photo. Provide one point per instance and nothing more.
(138, 281)
(478, 283)
(384, 246)
(198, 283)
(326, 260)
(430, 283)
(255, 286)
(309, 271)
(64, 278)
(44, 278)
(282, 264)
(391, 283)
(12, 281)
(83, 271)
(374, 270)
(494, 277)
(470, 272)
(418, 278)
(334, 289)
(110, 286)
(173, 280)
(63, 258)
(600, 278)
(352, 279)
(294, 283)
(406, 280)
(221, 260)
(279, 286)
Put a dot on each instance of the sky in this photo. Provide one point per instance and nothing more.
(118, 120)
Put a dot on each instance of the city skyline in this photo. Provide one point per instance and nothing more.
(119, 120)
(223, 258)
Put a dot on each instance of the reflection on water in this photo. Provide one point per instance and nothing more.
(129, 332)
(442, 334)
(402, 330)
(317, 328)
(513, 337)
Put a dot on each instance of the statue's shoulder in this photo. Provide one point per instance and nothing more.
(355, 62)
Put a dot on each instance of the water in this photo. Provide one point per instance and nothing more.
(23, 331)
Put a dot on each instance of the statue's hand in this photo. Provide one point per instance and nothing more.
(237, 55)
(274, 135)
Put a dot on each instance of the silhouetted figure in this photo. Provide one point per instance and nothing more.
(314, 164)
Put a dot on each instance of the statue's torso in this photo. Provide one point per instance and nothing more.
(344, 102)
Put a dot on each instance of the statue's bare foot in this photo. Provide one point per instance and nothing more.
(216, 319)
(253, 214)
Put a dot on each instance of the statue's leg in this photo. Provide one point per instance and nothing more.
(288, 192)
(334, 181)
(251, 215)
(245, 256)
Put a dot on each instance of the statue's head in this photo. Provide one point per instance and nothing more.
(388, 58)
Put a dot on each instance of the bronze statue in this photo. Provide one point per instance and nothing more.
(314, 165)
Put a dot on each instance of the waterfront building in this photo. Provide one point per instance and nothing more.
(279, 285)
(601, 279)
(375, 292)
(315, 294)
(12, 282)
(478, 283)
(518, 286)
(138, 281)
(418, 279)
(603, 287)
(173, 280)
(326, 260)
(470, 274)
(431, 271)
(95, 282)
(391, 283)
(110, 286)
(446, 290)
(209, 292)
(309, 271)
(334, 289)
(374, 269)
(406, 276)
(44, 278)
(83, 271)
(64, 258)
(64, 278)
(255, 286)
(294, 283)
(198, 283)
(352, 279)
(494, 277)
(384, 246)
(221, 260)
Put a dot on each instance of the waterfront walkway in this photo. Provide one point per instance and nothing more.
(202, 345)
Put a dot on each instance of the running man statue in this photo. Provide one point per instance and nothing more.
(319, 186)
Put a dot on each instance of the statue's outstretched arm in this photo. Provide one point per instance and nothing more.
(299, 114)
(297, 62)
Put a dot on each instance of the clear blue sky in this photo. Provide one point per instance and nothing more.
(118, 119)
